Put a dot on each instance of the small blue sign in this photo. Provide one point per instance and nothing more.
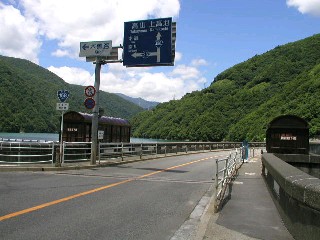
(89, 103)
(63, 95)
(148, 43)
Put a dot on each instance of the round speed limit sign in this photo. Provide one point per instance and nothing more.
(90, 91)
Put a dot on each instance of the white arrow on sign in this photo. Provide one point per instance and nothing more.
(147, 54)
(95, 49)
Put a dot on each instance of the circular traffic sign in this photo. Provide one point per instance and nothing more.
(90, 91)
(89, 103)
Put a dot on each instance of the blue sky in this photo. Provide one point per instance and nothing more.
(212, 35)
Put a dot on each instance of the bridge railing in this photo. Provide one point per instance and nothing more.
(225, 171)
(121, 151)
(75, 152)
(48, 152)
(26, 152)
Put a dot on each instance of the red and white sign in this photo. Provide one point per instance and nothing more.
(90, 91)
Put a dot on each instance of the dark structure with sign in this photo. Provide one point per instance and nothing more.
(77, 128)
(288, 134)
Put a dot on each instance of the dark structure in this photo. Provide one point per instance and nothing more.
(288, 134)
(77, 128)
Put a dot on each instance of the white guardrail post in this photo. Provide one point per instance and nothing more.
(62, 152)
(122, 153)
(99, 152)
(52, 154)
(216, 180)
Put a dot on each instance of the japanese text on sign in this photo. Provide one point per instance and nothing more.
(91, 49)
(148, 42)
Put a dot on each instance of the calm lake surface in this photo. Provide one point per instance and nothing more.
(55, 137)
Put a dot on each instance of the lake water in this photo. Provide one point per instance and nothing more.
(55, 137)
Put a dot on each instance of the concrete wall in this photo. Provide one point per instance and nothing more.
(309, 164)
(296, 194)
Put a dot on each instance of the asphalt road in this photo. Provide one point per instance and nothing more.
(142, 200)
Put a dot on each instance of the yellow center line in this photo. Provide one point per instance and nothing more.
(44, 205)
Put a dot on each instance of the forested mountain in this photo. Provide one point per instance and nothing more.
(29, 96)
(242, 100)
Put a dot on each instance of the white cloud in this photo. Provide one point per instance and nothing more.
(178, 56)
(186, 72)
(306, 6)
(73, 21)
(73, 75)
(138, 82)
(199, 62)
(70, 22)
(19, 35)
(61, 53)
(150, 86)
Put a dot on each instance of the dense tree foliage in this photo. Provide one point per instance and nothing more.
(242, 100)
(28, 98)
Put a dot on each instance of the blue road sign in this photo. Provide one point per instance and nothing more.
(63, 95)
(148, 43)
(89, 103)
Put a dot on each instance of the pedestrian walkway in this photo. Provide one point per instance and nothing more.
(250, 213)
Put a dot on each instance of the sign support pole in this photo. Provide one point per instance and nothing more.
(63, 95)
(61, 143)
(95, 117)
(101, 52)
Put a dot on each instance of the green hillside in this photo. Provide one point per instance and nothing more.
(28, 98)
(242, 100)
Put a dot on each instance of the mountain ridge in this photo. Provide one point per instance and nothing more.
(29, 98)
(243, 99)
(139, 101)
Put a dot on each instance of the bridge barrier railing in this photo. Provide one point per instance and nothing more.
(48, 152)
(120, 151)
(225, 171)
(26, 152)
(76, 152)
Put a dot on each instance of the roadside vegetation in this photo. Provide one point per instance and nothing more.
(242, 100)
(29, 96)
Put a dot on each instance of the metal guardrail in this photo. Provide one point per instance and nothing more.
(114, 151)
(26, 152)
(48, 152)
(226, 170)
(76, 152)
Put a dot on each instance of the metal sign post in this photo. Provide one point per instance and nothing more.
(58, 164)
(95, 117)
(146, 43)
(63, 95)
(100, 53)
